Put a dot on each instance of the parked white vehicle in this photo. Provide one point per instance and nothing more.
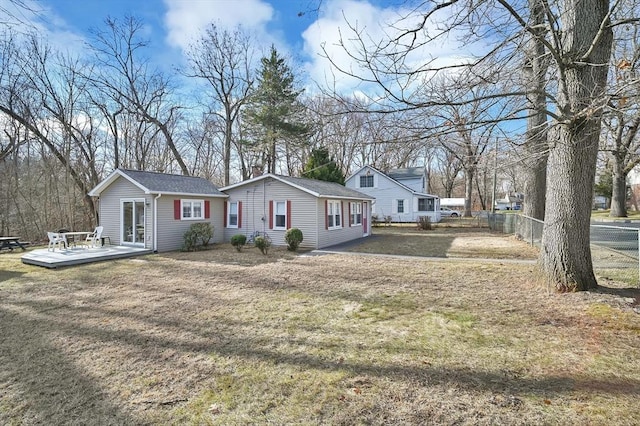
(447, 212)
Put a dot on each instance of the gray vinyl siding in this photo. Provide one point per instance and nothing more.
(110, 214)
(329, 237)
(171, 231)
(255, 199)
(414, 183)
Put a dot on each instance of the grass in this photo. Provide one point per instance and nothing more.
(604, 214)
(220, 337)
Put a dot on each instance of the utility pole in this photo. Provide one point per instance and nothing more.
(495, 173)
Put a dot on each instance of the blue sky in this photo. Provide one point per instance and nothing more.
(172, 24)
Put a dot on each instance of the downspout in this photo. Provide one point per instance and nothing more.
(155, 223)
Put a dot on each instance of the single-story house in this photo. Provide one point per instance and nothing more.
(399, 193)
(154, 210)
(327, 213)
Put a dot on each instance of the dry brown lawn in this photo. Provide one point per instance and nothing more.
(219, 337)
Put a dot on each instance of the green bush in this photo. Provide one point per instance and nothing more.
(198, 234)
(238, 241)
(424, 223)
(293, 237)
(263, 243)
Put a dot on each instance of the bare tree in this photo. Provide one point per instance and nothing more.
(578, 48)
(127, 77)
(224, 59)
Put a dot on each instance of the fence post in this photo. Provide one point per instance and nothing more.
(531, 222)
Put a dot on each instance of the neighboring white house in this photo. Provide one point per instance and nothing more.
(400, 193)
(154, 210)
(327, 213)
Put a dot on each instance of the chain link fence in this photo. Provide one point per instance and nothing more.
(614, 249)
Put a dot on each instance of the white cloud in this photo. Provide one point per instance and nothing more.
(185, 19)
(324, 36)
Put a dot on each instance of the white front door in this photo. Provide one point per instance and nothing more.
(132, 229)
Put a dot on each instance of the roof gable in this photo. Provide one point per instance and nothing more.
(161, 183)
(394, 180)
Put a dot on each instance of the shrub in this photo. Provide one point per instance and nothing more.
(238, 241)
(424, 223)
(387, 220)
(197, 234)
(263, 243)
(375, 220)
(293, 237)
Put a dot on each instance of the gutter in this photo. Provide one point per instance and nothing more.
(155, 223)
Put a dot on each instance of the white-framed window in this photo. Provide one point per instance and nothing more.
(232, 218)
(400, 206)
(425, 205)
(366, 181)
(191, 209)
(334, 214)
(279, 215)
(356, 213)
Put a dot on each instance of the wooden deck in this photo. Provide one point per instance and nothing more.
(78, 256)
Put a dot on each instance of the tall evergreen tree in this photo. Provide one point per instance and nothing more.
(275, 113)
(321, 166)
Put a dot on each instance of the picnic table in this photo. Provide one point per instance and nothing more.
(11, 243)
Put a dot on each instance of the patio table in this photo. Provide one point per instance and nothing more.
(73, 236)
(11, 243)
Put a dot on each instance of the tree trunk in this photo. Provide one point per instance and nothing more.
(468, 191)
(619, 193)
(535, 70)
(227, 148)
(566, 254)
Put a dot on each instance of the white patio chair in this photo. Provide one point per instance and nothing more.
(94, 238)
(56, 239)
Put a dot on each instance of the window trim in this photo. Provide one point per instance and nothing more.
(367, 177)
(275, 215)
(356, 213)
(230, 203)
(192, 201)
(399, 204)
(336, 207)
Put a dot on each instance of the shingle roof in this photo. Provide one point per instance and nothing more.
(325, 189)
(406, 173)
(177, 184)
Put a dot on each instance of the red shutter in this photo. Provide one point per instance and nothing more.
(288, 214)
(176, 209)
(342, 213)
(239, 214)
(350, 223)
(326, 214)
(270, 214)
(226, 208)
(207, 209)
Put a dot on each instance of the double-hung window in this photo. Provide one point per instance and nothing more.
(356, 213)
(334, 214)
(366, 181)
(400, 206)
(192, 209)
(232, 220)
(280, 215)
